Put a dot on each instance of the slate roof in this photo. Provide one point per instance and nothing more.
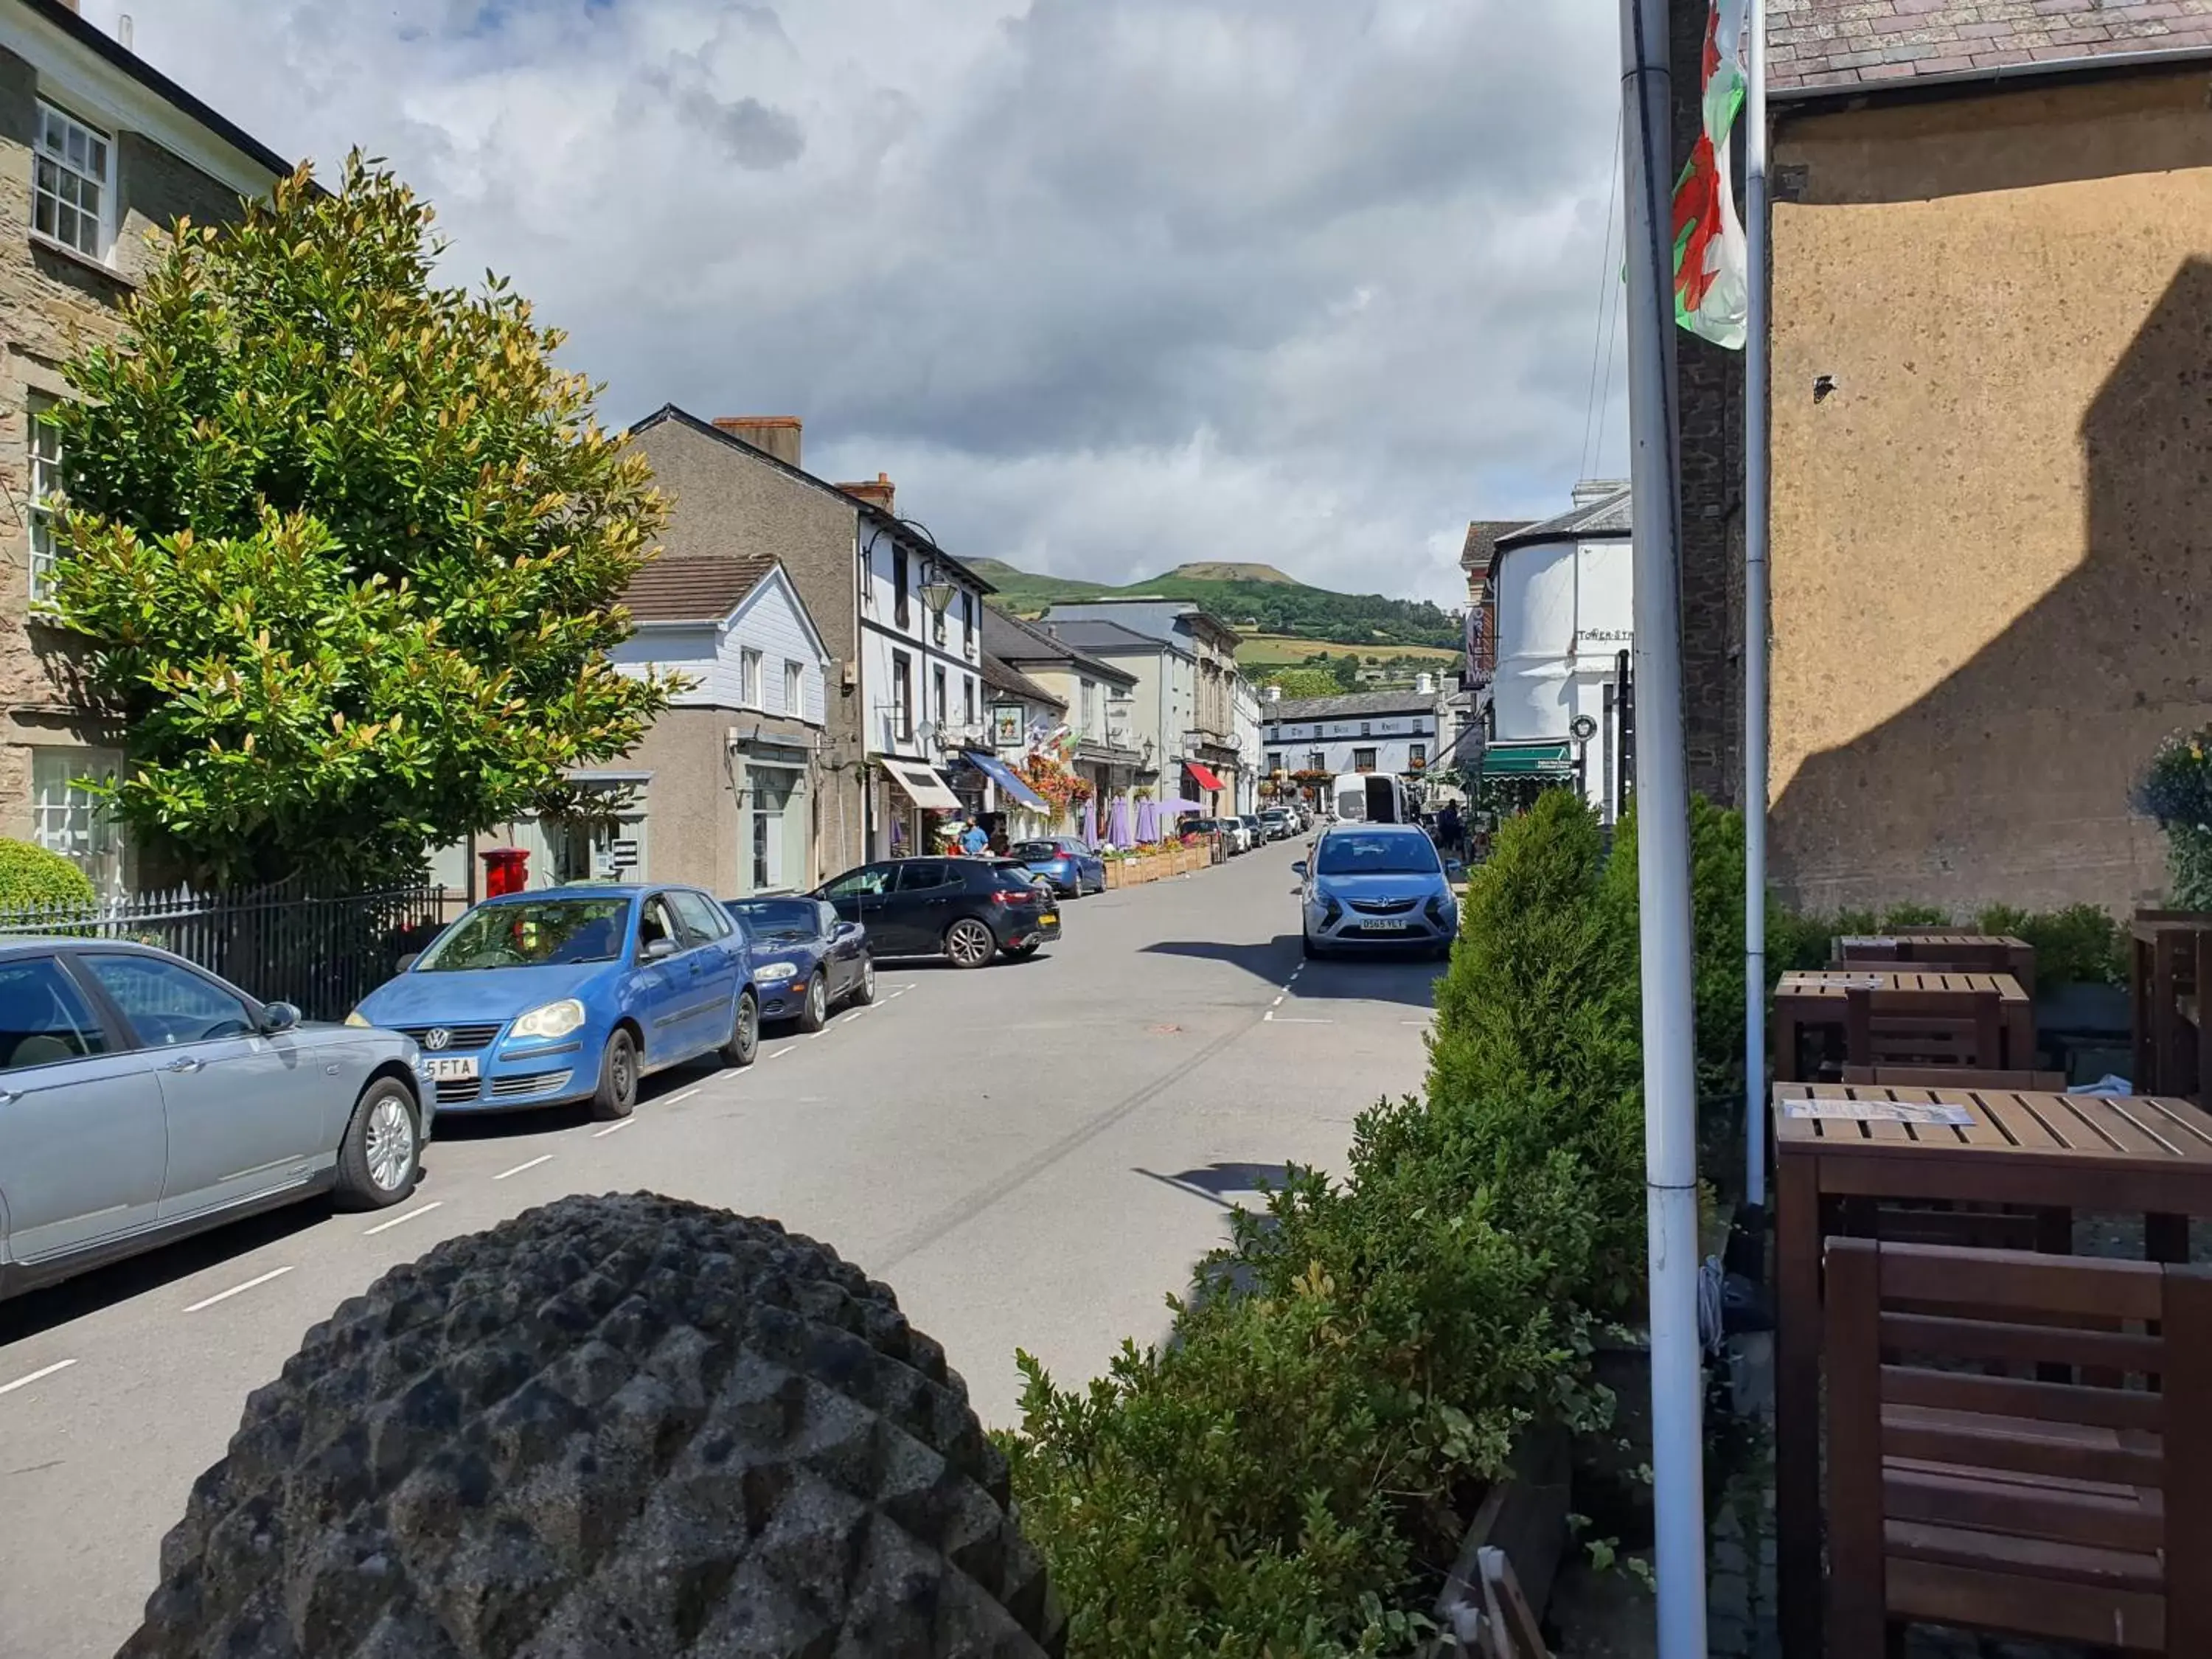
(1824, 45)
(1608, 516)
(1483, 536)
(1353, 705)
(1014, 640)
(1001, 676)
(693, 590)
(1087, 635)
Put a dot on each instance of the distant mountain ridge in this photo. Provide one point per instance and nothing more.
(1252, 597)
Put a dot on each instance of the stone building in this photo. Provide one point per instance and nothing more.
(1992, 297)
(97, 150)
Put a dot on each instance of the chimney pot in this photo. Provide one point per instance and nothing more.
(1425, 685)
(878, 492)
(775, 435)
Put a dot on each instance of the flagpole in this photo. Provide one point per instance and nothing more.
(1662, 843)
(1756, 475)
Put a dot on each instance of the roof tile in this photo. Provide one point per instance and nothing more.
(1845, 42)
(693, 589)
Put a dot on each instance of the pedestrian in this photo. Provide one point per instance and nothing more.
(976, 842)
(1449, 828)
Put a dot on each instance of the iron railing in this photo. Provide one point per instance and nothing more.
(323, 951)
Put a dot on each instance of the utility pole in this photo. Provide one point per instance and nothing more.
(1756, 402)
(1662, 841)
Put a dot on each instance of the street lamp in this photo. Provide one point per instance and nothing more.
(937, 593)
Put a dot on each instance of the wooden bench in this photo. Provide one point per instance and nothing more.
(1991, 1501)
(1922, 1029)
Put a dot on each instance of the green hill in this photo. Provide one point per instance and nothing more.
(1254, 598)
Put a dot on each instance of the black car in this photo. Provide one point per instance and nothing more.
(807, 959)
(968, 910)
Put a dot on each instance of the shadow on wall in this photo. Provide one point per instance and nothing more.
(2009, 780)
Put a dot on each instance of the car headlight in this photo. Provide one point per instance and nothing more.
(776, 971)
(355, 1019)
(555, 1019)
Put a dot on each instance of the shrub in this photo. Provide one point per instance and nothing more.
(31, 877)
(2078, 945)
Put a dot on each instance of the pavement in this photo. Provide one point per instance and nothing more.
(1032, 1155)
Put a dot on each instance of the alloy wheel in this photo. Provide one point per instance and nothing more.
(390, 1144)
(817, 1000)
(969, 943)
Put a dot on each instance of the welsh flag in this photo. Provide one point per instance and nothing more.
(1711, 286)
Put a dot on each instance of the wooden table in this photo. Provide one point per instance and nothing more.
(1981, 953)
(2130, 1154)
(1821, 997)
(2169, 968)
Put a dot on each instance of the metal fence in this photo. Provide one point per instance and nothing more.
(321, 951)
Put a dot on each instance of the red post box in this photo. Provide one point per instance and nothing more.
(506, 871)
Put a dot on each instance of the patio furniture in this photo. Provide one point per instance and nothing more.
(2049, 1509)
(2169, 967)
(1955, 1076)
(1843, 1150)
(1895, 1027)
(1816, 1004)
(1940, 950)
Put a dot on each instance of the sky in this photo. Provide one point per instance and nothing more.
(1104, 286)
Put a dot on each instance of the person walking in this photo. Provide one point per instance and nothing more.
(976, 842)
(1451, 830)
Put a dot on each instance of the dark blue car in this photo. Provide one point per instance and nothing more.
(1072, 868)
(807, 958)
(573, 993)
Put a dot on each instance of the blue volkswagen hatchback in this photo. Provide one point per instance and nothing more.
(1377, 886)
(573, 994)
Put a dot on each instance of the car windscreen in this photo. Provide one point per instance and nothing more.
(531, 933)
(778, 919)
(1037, 850)
(1362, 854)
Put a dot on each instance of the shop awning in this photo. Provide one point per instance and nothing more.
(1527, 760)
(1206, 775)
(922, 786)
(1004, 775)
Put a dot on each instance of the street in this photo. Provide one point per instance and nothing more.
(1032, 1155)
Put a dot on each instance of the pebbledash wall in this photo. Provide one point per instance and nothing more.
(1992, 461)
(53, 297)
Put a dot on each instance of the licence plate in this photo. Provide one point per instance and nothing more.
(1049, 919)
(1384, 927)
(453, 1068)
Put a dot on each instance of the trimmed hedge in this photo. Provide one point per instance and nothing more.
(31, 877)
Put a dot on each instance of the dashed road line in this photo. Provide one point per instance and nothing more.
(544, 1157)
(1278, 1002)
(598, 1135)
(673, 1100)
(37, 1375)
(1289, 1019)
(402, 1220)
(783, 1054)
(238, 1289)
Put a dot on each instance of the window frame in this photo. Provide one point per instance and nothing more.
(105, 222)
(902, 612)
(968, 698)
(1370, 765)
(751, 666)
(44, 464)
(794, 687)
(104, 1025)
(937, 698)
(104, 856)
(902, 695)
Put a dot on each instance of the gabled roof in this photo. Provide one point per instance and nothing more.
(1831, 45)
(1004, 676)
(1483, 536)
(1108, 638)
(1016, 641)
(1609, 516)
(694, 589)
(1353, 705)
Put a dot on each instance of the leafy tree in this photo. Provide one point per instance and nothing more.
(347, 547)
(1345, 668)
(1298, 683)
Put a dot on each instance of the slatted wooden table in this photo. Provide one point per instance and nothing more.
(2130, 1154)
(1820, 997)
(2171, 961)
(1988, 953)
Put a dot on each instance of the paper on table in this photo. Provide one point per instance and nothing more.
(1869, 941)
(1879, 1111)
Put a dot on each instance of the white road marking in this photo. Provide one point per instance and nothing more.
(783, 1054)
(238, 1289)
(401, 1220)
(546, 1157)
(26, 1382)
(1278, 1002)
(855, 1013)
(1288, 1020)
(672, 1101)
(597, 1134)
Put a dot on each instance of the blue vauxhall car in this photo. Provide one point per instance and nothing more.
(1371, 887)
(573, 994)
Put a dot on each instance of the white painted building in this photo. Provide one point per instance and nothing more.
(1399, 733)
(1565, 597)
(1245, 734)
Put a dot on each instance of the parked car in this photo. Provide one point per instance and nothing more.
(968, 910)
(1278, 823)
(807, 958)
(143, 1098)
(1254, 828)
(1369, 886)
(1227, 828)
(573, 993)
(1072, 868)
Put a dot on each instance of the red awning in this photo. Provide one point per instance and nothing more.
(1206, 776)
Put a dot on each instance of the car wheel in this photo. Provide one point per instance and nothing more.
(381, 1156)
(969, 943)
(617, 1095)
(814, 1013)
(864, 992)
(744, 1046)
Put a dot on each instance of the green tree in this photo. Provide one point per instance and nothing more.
(1298, 683)
(347, 547)
(1345, 668)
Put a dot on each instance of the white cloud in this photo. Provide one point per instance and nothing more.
(1104, 287)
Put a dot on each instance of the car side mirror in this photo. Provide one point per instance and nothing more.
(278, 1017)
(848, 929)
(1299, 868)
(658, 949)
(410, 960)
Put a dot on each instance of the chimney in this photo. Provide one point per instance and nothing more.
(1425, 685)
(1275, 693)
(775, 435)
(876, 493)
(1590, 491)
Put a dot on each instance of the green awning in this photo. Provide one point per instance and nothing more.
(1526, 759)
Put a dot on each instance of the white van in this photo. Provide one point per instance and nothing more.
(1371, 798)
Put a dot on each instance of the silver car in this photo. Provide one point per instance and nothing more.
(143, 1098)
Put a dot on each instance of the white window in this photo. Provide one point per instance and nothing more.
(794, 689)
(67, 818)
(749, 679)
(46, 471)
(72, 183)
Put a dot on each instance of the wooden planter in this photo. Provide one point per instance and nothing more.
(1113, 872)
